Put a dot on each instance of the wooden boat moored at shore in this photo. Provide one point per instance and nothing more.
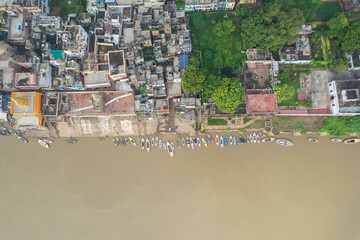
(183, 142)
(178, 144)
(231, 140)
(198, 142)
(170, 149)
(116, 141)
(210, 137)
(139, 141)
(172, 145)
(192, 143)
(71, 141)
(3, 129)
(164, 145)
(268, 139)
(47, 140)
(147, 145)
(142, 144)
(312, 139)
(22, 139)
(123, 141)
(160, 143)
(12, 132)
(251, 138)
(221, 142)
(335, 139)
(127, 141)
(217, 140)
(152, 142)
(4, 133)
(43, 144)
(156, 141)
(351, 140)
(257, 138)
(284, 142)
(187, 142)
(204, 142)
(261, 134)
(132, 141)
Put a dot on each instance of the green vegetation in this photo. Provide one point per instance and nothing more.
(202, 127)
(219, 46)
(193, 79)
(273, 26)
(75, 6)
(246, 120)
(216, 38)
(287, 90)
(290, 124)
(338, 126)
(229, 95)
(338, 64)
(325, 11)
(217, 122)
(257, 124)
(180, 4)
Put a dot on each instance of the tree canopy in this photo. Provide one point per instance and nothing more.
(229, 95)
(197, 21)
(336, 25)
(338, 64)
(273, 26)
(350, 38)
(193, 78)
(224, 28)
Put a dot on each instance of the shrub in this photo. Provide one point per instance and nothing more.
(202, 127)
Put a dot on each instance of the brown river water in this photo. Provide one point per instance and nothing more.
(93, 190)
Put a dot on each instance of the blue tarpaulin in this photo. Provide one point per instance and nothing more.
(184, 60)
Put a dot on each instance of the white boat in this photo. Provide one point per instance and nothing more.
(172, 145)
(221, 142)
(147, 145)
(204, 142)
(183, 142)
(116, 141)
(192, 143)
(170, 149)
(12, 132)
(156, 141)
(142, 144)
(132, 141)
(250, 138)
(198, 141)
(160, 143)
(217, 140)
(48, 141)
(284, 142)
(254, 138)
(164, 145)
(335, 139)
(22, 139)
(152, 142)
(311, 139)
(139, 141)
(127, 141)
(257, 138)
(43, 144)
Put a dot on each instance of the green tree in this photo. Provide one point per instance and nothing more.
(350, 39)
(197, 21)
(180, 4)
(224, 28)
(242, 12)
(338, 64)
(193, 79)
(336, 25)
(229, 95)
(284, 92)
(273, 26)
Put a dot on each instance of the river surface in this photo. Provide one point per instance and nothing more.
(93, 190)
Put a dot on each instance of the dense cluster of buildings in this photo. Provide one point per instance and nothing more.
(119, 58)
(126, 58)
